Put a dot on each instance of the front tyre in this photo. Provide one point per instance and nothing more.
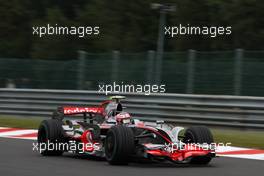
(199, 135)
(50, 134)
(119, 145)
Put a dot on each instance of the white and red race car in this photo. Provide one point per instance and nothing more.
(108, 131)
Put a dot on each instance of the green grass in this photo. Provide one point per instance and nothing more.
(245, 138)
(252, 139)
(10, 121)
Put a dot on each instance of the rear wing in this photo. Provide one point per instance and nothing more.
(71, 110)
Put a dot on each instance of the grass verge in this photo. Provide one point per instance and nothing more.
(29, 123)
(245, 138)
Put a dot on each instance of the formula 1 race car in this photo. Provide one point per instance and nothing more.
(108, 131)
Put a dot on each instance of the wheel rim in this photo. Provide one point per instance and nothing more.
(110, 145)
(189, 138)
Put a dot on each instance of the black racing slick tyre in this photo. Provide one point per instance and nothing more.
(119, 145)
(199, 135)
(50, 137)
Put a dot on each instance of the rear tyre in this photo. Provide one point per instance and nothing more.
(119, 145)
(50, 133)
(199, 135)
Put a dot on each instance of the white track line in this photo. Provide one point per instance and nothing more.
(17, 132)
(5, 128)
(229, 149)
(252, 156)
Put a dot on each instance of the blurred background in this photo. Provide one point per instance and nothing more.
(125, 50)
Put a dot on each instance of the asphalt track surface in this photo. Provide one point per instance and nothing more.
(17, 158)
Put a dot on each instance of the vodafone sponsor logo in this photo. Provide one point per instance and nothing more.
(77, 110)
